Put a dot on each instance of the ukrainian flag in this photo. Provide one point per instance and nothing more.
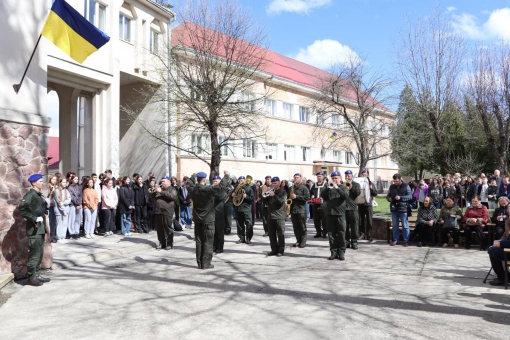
(71, 32)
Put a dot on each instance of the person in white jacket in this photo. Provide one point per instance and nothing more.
(109, 206)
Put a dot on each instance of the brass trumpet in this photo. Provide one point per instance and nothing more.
(267, 192)
(348, 185)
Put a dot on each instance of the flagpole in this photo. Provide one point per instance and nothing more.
(18, 86)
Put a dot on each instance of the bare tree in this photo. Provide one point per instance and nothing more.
(212, 93)
(351, 114)
(430, 56)
(488, 86)
(466, 163)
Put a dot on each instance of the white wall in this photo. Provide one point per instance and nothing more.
(20, 27)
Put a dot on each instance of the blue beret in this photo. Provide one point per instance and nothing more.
(335, 173)
(34, 177)
(241, 177)
(267, 177)
(201, 175)
(165, 177)
(348, 172)
(298, 174)
(320, 173)
(275, 179)
(364, 171)
(216, 177)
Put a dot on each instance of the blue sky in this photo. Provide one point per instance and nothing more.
(318, 31)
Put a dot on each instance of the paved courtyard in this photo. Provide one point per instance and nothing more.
(122, 288)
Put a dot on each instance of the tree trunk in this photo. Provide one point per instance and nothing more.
(215, 155)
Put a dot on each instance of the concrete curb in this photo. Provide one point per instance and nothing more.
(5, 279)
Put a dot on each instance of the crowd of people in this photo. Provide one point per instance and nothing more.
(444, 204)
(102, 205)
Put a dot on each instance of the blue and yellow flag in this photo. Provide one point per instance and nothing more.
(71, 32)
(333, 136)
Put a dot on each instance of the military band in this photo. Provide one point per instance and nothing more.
(242, 200)
(275, 198)
(335, 209)
(351, 212)
(299, 194)
(317, 204)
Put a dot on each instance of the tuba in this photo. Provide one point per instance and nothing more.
(239, 192)
(289, 201)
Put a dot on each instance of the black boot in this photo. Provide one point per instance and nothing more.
(34, 281)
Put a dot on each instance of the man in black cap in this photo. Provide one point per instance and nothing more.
(351, 212)
(276, 217)
(264, 213)
(164, 207)
(243, 213)
(33, 208)
(299, 194)
(335, 210)
(204, 214)
(319, 218)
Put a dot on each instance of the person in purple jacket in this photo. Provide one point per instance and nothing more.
(421, 192)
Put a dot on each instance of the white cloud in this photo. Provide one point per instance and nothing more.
(497, 25)
(294, 6)
(325, 53)
(450, 9)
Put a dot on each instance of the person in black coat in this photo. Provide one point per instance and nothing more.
(126, 205)
(141, 195)
(184, 202)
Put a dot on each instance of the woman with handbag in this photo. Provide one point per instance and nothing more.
(449, 221)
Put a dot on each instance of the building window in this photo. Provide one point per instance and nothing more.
(124, 28)
(270, 107)
(196, 94)
(288, 154)
(287, 110)
(305, 151)
(304, 114)
(154, 41)
(272, 151)
(349, 158)
(95, 13)
(247, 101)
(337, 156)
(335, 121)
(383, 184)
(223, 145)
(199, 143)
(249, 148)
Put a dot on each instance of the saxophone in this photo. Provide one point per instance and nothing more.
(289, 201)
(239, 192)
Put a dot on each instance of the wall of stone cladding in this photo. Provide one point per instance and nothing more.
(23, 151)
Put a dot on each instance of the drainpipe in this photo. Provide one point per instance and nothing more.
(169, 108)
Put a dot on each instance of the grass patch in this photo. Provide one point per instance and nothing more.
(382, 204)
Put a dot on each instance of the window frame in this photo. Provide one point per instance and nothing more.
(154, 41)
(249, 148)
(272, 110)
(290, 113)
(304, 111)
(272, 149)
(99, 19)
(123, 20)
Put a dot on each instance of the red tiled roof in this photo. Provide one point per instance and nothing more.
(53, 152)
(276, 64)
